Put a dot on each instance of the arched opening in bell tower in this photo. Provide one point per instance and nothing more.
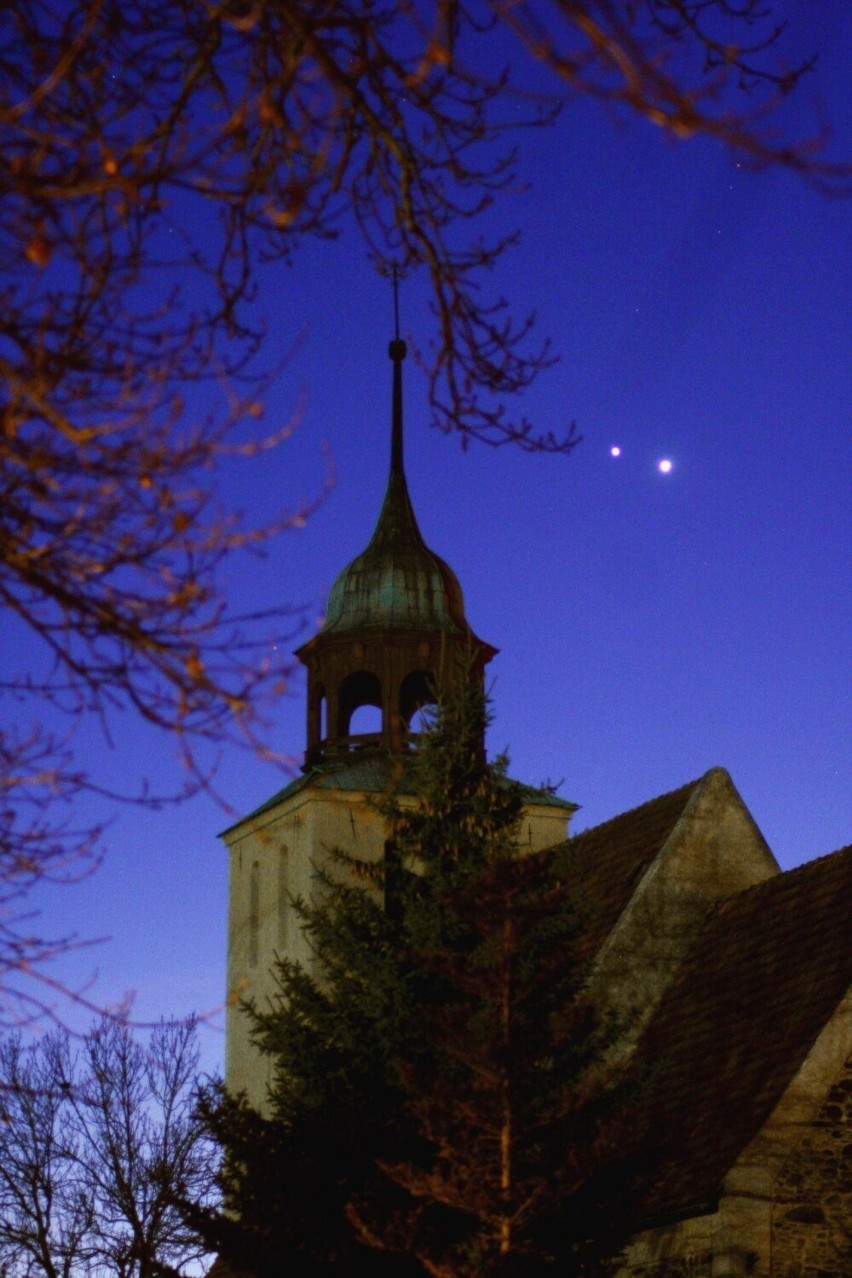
(360, 705)
(421, 720)
(416, 697)
(366, 721)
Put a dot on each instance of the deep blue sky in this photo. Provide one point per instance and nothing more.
(650, 626)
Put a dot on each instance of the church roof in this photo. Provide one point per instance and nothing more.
(761, 981)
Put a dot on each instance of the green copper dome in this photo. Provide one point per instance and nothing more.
(397, 582)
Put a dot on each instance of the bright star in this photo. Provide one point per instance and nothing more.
(615, 451)
(664, 466)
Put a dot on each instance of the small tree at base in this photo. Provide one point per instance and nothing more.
(96, 1142)
(443, 1076)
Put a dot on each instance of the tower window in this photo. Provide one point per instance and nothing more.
(283, 896)
(254, 913)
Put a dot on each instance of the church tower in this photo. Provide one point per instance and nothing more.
(395, 628)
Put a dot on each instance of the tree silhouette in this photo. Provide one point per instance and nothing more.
(441, 1090)
(94, 1141)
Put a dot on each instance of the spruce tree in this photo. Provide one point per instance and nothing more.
(441, 1093)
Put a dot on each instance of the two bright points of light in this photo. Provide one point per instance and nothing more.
(664, 465)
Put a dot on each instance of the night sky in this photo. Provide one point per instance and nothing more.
(650, 625)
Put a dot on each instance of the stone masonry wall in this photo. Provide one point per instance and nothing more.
(812, 1208)
(700, 1266)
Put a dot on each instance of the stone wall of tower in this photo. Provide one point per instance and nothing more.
(274, 858)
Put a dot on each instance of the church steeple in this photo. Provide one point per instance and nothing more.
(394, 625)
(395, 630)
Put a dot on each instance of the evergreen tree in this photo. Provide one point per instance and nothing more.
(441, 1092)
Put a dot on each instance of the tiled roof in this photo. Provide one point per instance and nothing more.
(761, 981)
(605, 863)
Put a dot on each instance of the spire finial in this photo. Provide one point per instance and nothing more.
(397, 351)
(395, 276)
